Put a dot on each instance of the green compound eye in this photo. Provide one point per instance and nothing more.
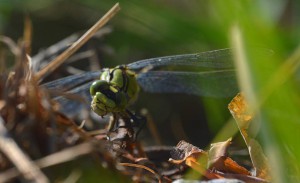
(98, 86)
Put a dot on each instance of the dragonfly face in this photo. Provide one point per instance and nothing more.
(116, 89)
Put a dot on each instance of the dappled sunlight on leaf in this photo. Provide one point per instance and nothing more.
(240, 111)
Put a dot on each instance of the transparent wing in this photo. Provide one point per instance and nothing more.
(78, 86)
(211, 59)
(70, 82)
(206, 83)
(209, 83)
(72, 107)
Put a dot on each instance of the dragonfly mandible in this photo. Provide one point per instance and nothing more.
(214, 78)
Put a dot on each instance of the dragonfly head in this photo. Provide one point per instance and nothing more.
(106, 98)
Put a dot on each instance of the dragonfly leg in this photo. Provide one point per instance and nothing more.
(119, 121)
(137, 121)
(128, 120)
(112, 123)
(122, 129)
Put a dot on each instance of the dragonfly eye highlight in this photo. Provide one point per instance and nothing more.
(98, 86)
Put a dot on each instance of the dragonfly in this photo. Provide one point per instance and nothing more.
(212, 76)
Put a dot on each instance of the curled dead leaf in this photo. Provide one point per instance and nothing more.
(184, 150)
(244, 118)
(190, 155)
(219, 160)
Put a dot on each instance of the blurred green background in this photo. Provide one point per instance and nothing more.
(146, 29)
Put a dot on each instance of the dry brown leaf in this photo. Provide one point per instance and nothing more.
(219, 149)
(219, 160)
(232, 167)
(238, 107)
(240, 111)
(187, 154)
(184, 150)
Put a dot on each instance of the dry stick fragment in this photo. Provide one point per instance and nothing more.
(75, 46)
(13, 47)
(27, 34)
(53, 159)
(143, 167)
(8, 146)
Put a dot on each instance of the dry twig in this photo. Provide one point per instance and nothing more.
(53, 159)
(76, 45)
(24, 165)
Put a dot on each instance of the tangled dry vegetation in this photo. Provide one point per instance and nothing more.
(35, 135)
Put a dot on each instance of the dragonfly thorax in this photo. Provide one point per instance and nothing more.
(116, 89)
